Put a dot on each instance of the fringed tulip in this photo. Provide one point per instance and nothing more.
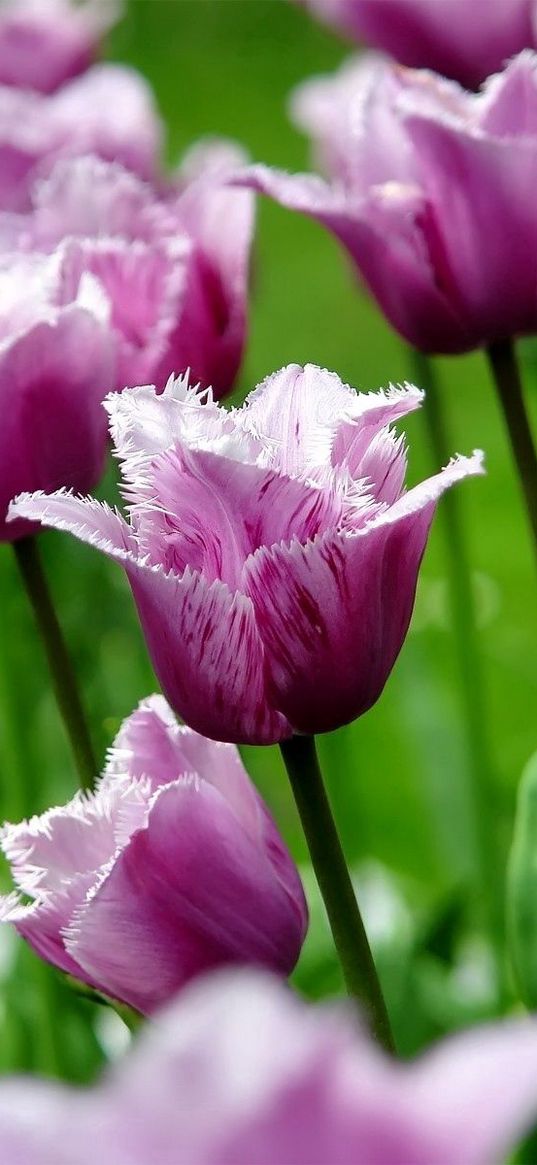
(172, 867)
(273, 551)
(430, 196)
(57, 362)
(240, 1072)
(175, 267)
(463, 39)
(44, 43)
(109, 111)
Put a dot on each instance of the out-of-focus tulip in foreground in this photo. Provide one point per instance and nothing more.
(57, 362)
(44, 43)
(174, 265)
(430, 194)
(272, 550)
(174, 866)
(463, 39)
(238, 1072)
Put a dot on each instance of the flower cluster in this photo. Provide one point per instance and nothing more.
(273, 552)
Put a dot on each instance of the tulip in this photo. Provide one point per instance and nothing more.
(239, 1072)
(272, 551)
(454, 37)
(423, 177)
(174, 266)
(44, 43)
(57, 361)
(172, 867)
(36, 130)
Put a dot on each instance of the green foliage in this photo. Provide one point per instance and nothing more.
(522, 888)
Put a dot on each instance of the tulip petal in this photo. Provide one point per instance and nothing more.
(202, 638)
(385, 236)
(209, 512)
(190, 891)
(344, 598)
(478, 1090)
(207, 654)
(472, 183)
(41, 923)
(152, 744)
(46, 851)
(86, 518)
(56, 373)
(133, 136)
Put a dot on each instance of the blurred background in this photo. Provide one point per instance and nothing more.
(398, 778)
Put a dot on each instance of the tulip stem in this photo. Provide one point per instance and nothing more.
(466, 644)
(331, 871)
(506, 376)
(61, 669)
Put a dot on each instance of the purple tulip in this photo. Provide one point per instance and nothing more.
(57, 362)
(429, 194)
(459, 38)
(272, 550)
(36, 130)
(172, 867)
(175, 266)
(239, 1072)
(44, 43)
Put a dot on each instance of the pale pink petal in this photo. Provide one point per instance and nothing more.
(210, 513)
(90, 197)
(46, 851)
(152, 744)
(352, 119)
(375, 411)
(131, 136)
(33, 1124)
(144, 423)
(189, 892)
(146, 285)
(344, 598)
(478, 1091)
(87, 519)
(382, 466)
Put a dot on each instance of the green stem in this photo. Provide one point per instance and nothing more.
(506, 376)
(466, 644)
(335, 884)
(61, 669)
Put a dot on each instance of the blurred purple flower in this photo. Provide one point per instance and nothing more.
(429, 193)
(463, 39)
(272, 550)
(44, 43)
(239, 1072)
(175, 266)
(109, 111)
(57, 362)
(172, 867)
